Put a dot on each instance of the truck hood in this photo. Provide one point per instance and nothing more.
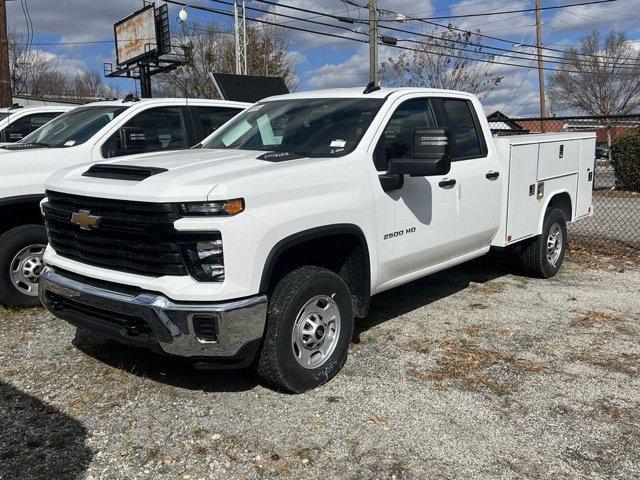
(187, 175)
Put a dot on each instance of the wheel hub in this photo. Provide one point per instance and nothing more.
(554, 244)
(25, 269)
(316, 331)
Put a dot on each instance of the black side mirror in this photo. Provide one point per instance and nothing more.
(430, 154)
(133, 138)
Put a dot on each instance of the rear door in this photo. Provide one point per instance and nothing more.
(477, 171)
(585, 177)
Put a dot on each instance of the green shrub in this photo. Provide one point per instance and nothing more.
(625, 157)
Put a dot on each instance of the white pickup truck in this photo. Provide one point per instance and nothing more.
(18, 122)
(263, 245)
(92, 132)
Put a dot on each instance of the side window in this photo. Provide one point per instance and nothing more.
(159, 129)
(395, 141)
(212, 118)
(27, 124)
(464, 129)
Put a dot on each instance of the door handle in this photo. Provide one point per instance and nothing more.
(447, 183)
(492, 175)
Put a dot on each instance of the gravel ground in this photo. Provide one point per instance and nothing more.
(470, 373)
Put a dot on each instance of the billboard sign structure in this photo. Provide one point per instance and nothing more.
(136, 36)
(247, 88)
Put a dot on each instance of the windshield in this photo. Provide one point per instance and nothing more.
(306, 127)
(74, 127)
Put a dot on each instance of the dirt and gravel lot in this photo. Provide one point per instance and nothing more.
(471, 373)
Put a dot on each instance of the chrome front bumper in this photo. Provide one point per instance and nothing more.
(152, 320)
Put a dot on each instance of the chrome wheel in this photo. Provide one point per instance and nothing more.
(316, 331)
(25, 269)
(554, 244)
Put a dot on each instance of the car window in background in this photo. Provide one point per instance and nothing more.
(27, 124)
(212, 118)
(162, 129)
(74, 127)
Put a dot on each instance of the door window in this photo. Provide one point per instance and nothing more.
(395, 141)
(464, 129)
(27, 124)
(212, 118)
(162, 129)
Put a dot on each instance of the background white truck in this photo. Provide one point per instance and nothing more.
(18, 122)
(92, 132)
(265, 244)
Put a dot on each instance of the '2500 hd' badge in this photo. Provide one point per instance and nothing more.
(399, 233)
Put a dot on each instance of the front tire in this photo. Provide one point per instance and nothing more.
(543, 255)
(309, 327)
(21, 250)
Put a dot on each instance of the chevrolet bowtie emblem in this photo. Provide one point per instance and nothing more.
(85, 220)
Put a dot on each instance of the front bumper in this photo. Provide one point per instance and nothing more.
(202, 331)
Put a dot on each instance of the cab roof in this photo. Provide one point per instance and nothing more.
(358, 92)
(166, 101)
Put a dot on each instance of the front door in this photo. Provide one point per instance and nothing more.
(418, 223)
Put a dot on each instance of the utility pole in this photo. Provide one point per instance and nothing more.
(240, 31)
(373, 42)
(5, 74)
(543, 108)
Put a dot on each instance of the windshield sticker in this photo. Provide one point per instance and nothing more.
(69, 143)
(338, 143)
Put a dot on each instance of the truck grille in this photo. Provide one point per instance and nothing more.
(133, 237)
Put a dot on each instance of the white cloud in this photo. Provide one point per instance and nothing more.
(612, 16)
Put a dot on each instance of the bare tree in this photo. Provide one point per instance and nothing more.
(600, 77)
(211, 48)
(27, 67)
(89, 84)
(450, 59)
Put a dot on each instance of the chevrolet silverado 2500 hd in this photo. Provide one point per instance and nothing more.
(267, 242)
(92, 132)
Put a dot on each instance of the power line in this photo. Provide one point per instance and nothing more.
(305, 10)
(471, 32)
(467, 15)
(359, 40)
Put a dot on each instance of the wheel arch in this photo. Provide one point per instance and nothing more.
(560, 199)
(20, 210)
(344, 250)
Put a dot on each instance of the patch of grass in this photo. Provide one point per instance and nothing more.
(200, 432)
(594, 318)
(479, 306)
(488, 288)
(472, 366)
(420, 346)
(627, 363)
(620, 413)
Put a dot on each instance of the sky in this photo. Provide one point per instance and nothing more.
(79, 34)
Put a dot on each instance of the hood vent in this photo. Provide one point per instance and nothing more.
(122, 172)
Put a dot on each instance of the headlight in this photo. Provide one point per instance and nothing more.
(220, 207)
(204, 259)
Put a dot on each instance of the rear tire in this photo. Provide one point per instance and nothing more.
(21, 250)
(309, 327)
(543, 255)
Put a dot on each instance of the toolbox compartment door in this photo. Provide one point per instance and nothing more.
(522, 207)
(559, 158)
(586, 177)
